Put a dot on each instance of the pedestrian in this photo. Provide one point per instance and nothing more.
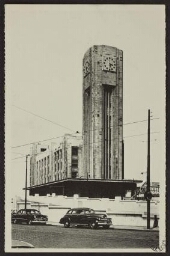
(155, 224)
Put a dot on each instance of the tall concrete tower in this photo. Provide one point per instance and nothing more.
(103, 112)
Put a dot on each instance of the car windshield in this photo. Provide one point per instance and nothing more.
(33, 212)
(91, 211)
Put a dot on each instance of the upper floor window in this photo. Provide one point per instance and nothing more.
(75, 151)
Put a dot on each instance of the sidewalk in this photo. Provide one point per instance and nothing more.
(134, 228)
(116, 227)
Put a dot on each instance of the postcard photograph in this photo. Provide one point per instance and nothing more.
(85, 129)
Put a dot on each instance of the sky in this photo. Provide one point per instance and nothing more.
(44, 49)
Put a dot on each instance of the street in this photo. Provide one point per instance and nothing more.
(48, 236)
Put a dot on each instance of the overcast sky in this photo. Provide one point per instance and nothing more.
(44, 47)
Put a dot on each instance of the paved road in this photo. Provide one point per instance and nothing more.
(59, 237)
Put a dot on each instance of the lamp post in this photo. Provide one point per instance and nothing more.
(26, 183)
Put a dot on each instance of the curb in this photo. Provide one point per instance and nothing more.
(115, 227)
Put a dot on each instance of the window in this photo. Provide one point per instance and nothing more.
(74, 165)
(80, 212)
(87, 211)
(74, 212)
(43, 149)
(75, 161)
(69, 212)
(74, 175)
(75, 151)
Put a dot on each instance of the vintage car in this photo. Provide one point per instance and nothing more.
(29, 216)
(85, 216)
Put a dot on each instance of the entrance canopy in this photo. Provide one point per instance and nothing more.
(92, 188)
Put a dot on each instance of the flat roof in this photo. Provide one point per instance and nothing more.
(82, 180)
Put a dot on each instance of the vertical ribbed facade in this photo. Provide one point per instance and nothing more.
(103, 112)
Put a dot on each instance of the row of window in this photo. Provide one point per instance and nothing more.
(58, 166)
(43, 162)
(58, 154)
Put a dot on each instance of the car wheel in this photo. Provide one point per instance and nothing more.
(29, 222)
(67, 224)
(106, 227)
(15, 221)
(93, 225)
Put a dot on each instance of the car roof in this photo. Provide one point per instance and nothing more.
(28, 210)
(82, 208)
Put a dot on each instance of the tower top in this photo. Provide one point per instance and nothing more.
(95, 48)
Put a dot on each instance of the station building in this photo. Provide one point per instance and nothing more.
(91, 165)
(54, 162)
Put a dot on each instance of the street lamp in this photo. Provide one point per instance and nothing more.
(26, 183)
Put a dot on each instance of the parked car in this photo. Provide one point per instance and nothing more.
(85, 216)
(29, 216)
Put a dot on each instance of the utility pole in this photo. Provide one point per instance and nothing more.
(26, 183)
(123, 159)
(148, 174)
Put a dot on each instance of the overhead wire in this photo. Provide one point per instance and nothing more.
(136, 135)
(43, 118)
(94, 143)
(135, 122)
(31, 143)
(18, 157)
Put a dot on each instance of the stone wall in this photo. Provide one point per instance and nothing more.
(122, 212)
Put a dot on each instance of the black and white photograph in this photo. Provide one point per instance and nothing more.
(85, 101)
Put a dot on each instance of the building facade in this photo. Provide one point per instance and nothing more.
(56, 162)
(103, 112)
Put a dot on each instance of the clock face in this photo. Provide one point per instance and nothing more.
(86, 68)
(109, 63)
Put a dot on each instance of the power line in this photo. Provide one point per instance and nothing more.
(18, 157)
(27, 144)
(135, 122)
(138, 135)
(135, 135)
(141, 121)
(18, 153)
(85, 132)
(43, 118)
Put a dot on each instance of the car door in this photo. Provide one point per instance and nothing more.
(74, 216)
(68, 215)
(81, 216)
(20, 215)
(24, 215)
(85, 217)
